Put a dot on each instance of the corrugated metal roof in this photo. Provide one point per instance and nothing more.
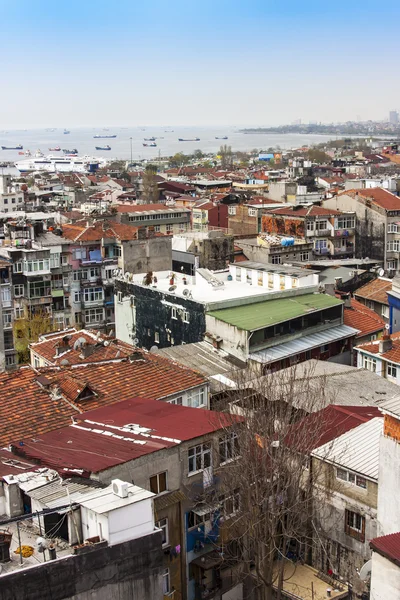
(59, 493)
(388, 546)
(392, 405)
(357, 450)
(303, 344)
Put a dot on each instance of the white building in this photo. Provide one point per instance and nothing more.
(11, 196)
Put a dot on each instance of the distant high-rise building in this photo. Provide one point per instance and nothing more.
(394, 117)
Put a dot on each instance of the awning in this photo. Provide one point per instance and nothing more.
(57, 293)
(308, 342)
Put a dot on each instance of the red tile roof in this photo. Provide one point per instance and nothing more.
(375, 290)
(362, 318)
(392, 355)
(378, 196)
(328, 424)
(47, 348)
(114, 435)
(80, 232)
(387, 546)
(26, 408)
(304, 211)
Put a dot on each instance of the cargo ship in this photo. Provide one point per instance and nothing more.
(19, 147)
(74, 151)
(224, 137)
(151, 145)
(188, 140)
(103, 147)
(104, 137)
(152, 139)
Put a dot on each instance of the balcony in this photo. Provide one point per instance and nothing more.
(343, 232)
(342, 250)
(321, 251)
(322, 232)
(92, 303)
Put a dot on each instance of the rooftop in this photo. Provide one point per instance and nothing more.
(362, 318)
(83, 232)
(264, 314)
(150, 208)
(103, 501)
(108, 436)
(378, 196)
(387, 546)
(375, 290)
(357, 449)
(304, 211)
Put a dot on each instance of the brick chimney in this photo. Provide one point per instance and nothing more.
(386, 343)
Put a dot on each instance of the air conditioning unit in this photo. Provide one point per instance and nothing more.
(120, 488)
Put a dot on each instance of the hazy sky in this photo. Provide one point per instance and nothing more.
(182, 62)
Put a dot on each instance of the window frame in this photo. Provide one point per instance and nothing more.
(369, 361)
(157, 479)
(166, 582)
(229, 443)
(350, 525)
(199, 451)
(392, 367)
(163, 525)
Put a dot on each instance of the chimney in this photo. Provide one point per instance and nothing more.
(347, 301)
(63, 346)
(386, 343)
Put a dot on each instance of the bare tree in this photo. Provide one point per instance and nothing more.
(263, 471)
(226, 155)
(150, 191)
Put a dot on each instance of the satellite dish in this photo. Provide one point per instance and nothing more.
(365, 571)
(64, 362)
(186, 292)
(154, 348)
(172, 288)
(387, 326)
(381, 272)
(79, 343)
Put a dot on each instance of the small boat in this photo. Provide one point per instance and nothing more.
(103, 147)
(19, 147)
(38, 154)
(70, 152)
(105, 137)
(56, 149)
(21, 153)
(152, 139)
(168, 131)
(188, 139)
(151, 145)
(224, 137)
(66, 132)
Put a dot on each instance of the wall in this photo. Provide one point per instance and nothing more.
(389, 484)
(242, 223)
(151, 254)
(283, 225)
(385, 578)
(128, 571)
(264, 254)
(234, 340)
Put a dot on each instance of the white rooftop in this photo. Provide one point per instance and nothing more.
(357, 449)
(105, 500)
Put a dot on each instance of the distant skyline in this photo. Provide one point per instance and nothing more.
(127, 63)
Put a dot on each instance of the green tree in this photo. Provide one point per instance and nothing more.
(28, 329)
(179, 160)
(198, 155)
(318, 156)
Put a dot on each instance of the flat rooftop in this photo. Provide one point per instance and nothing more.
(263, 314)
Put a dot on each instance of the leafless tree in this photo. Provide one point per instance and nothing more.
(263, 471)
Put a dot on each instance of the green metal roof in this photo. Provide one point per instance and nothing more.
(262, 314)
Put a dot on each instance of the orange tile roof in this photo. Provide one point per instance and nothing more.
(26, 408)
(79, 232)
(378, 196)
(47, 348)
(392, 355)
(362, 318)
(375, 290)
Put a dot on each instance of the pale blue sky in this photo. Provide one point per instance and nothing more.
(196, 62)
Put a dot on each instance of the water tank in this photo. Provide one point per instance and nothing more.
(287, 241)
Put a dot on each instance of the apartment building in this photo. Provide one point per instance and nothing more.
(332, 232)
(161, 218)
(11, 195)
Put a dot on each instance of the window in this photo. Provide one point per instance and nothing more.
(230, 505)
(393, 228)
(325, 348)
(79, 253)
(321, 225)
(393, 246)
(18, 290)
(176, 401)
(158, 483)
(64, 259)
(166, 582)
(10, 361)
(385, 311)
(77, 296)
(94, 272)
(252, 212)
(199, 457)
(195, 398)
(5, 200)
(94, 315)
(345, 223)
(369, 363)
(194, 520)
(93, 294)
(169, 228)
(276, 259)
(54, 261)
(173, 313)
(357, 480)
(228, 447)
(7, 320)
(304, 256)
(80, 274)
(119, 296)
(163, 525)
(310, 225)
(370, 304)
(17, 267)
(78, 317)
(231, 210)
(354, 525)
(38, 289)
(392, 265)
(19, 312)
(238, 274)
(157, 228)
(33, 266)
(391, 370)
(321, 244)
(185, 316)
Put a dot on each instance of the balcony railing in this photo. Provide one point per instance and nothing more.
(321, 251)
(343, 232)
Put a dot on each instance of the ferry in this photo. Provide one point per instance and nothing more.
(151, 145)
(64, 164)
(56, 149)
(188, 139)
(224, 137)
(70, 152)
(103, 147)
(104, 137)
(19, 147)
